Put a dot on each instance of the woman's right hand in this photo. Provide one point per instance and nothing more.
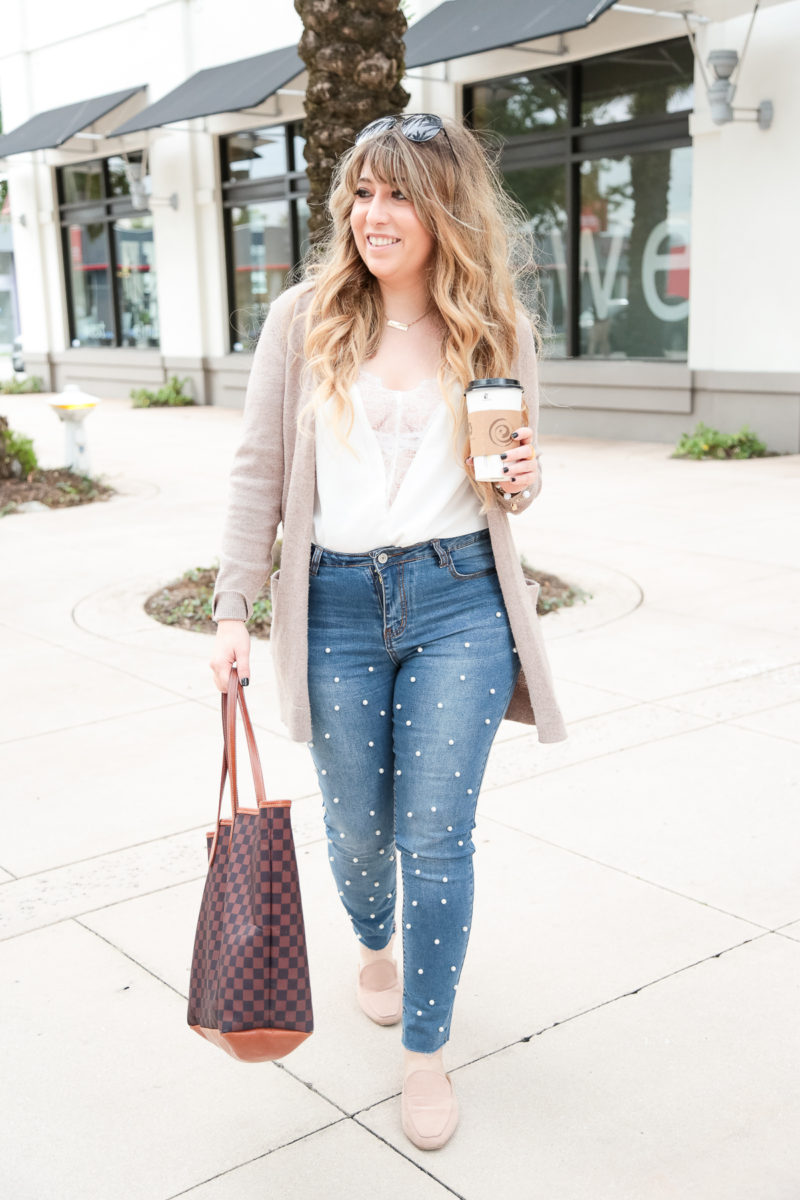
(231, 649)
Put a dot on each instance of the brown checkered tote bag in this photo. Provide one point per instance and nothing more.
(249, 991)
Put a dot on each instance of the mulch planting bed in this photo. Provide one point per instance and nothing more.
(56, 488)
(186, 602)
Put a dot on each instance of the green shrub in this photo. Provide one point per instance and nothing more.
(706, 442)
(171, 395)
(17, 455)
(20, 387)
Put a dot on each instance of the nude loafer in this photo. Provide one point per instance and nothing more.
(428, 1109)
(380, 992)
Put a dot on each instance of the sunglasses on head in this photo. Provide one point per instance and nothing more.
(416, 127)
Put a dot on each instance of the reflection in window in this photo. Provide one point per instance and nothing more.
(262, 258)
(255, 154)
(645, 81)
(607, 200)
(102, 228)
(266, 221)
(634, 255)
(90, 279)
(521, 103)
(83, 183)
(136, 281)
(542, 193)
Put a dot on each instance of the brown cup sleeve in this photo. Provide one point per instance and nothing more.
(490, 432)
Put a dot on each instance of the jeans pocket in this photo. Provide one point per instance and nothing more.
(471, 562)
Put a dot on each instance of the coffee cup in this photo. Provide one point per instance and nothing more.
(494, 411)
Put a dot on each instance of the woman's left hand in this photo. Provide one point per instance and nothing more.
(519, 463)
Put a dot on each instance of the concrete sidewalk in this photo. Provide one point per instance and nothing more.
(627, 1019)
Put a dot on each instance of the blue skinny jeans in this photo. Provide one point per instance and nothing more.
(411, 668)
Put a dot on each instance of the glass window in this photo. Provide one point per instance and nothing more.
(90, 285)
(117, 178)
(266, 219)
(634, 255)
(262, 258)
(303, 240)
(137, 295)
(522, 103)
(102, 228)
(542, 192)
(257, 154)
(647, 81)
(83, 183)
(610, 218)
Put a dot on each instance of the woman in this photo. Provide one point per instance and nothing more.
(401, 617)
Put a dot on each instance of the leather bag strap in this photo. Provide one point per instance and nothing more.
(233, 698)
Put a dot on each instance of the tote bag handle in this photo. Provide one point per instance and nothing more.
(231, 700)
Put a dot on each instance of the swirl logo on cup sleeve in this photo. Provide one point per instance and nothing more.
(500, 432)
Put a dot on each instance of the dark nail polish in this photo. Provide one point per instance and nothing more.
(515, 435)
(504, 456)
(244, 682)
(513, 479)
(505, 470)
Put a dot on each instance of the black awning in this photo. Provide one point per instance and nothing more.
(58, 125)
(460, 27)
(228, 88)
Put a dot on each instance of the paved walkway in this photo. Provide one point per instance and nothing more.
(627, 1021)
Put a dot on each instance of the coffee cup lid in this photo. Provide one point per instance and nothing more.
(490, 383)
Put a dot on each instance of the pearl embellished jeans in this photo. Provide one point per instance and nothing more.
(411, 668)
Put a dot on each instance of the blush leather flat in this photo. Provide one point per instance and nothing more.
(380, 992)
(428, 1109)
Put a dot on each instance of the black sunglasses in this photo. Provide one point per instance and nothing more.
(417, 127)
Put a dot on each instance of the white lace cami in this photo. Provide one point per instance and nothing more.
(401, 481)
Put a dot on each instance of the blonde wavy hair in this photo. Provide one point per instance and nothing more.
(480, 250)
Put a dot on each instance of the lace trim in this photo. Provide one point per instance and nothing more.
(399, 420)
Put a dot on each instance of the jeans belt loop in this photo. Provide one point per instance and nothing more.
(316, 558)
(442, 555)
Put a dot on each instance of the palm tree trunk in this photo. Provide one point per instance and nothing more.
(355, 55)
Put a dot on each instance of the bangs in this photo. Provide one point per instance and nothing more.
(390, 158)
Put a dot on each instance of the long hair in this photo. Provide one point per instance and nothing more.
(478, 233)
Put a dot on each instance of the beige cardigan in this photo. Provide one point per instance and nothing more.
(273, 480)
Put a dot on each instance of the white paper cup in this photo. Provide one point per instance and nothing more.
(494, 411)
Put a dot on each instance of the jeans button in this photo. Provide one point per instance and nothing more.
(383, 557)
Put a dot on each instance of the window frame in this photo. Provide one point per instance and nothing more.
(106, 210)
(577, 143)
(290, 186)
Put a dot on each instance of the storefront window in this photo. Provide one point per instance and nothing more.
(607, 200)
(90, 285)
(522, 103)
(262, 256)
(137, 295)
(646, 81)
(102, 228)
(266, 221)
(634, 255)
(83, 183)
(542, 192)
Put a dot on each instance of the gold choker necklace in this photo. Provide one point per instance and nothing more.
(405, 328)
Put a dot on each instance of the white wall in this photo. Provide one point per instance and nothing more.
(746, 191)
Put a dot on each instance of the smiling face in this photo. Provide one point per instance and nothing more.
(394, 244)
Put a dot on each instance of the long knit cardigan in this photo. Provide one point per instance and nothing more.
(273, 480)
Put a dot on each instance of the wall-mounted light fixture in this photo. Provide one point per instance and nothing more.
(725, 64)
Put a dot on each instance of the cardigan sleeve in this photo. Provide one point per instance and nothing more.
(525, 370)
(256, 480)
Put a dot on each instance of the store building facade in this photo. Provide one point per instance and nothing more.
(157, 194)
